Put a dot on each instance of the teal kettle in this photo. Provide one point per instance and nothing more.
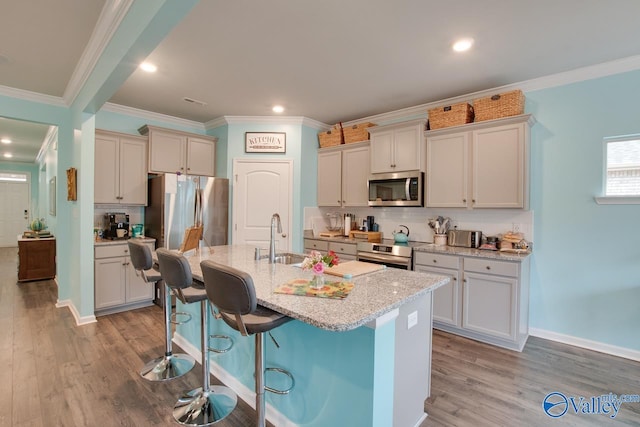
(400, 237)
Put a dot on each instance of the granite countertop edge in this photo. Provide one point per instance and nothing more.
(470, 252)
(107, 242)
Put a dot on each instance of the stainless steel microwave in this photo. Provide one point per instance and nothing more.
(396, 189)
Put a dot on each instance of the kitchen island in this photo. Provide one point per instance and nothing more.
(360, 361)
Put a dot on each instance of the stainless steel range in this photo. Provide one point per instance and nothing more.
(389, 253)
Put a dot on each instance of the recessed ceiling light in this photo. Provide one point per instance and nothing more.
(278, 109)
(8, 155)
(5, 141)
(463, 45)
(148, 67)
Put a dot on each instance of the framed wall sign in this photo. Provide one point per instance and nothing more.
(265, 142)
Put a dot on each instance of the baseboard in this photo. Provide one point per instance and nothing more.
(79, 320)
(613, 350)
(274, 416)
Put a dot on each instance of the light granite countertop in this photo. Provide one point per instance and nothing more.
(451, 250)
(373, 294)
(105, 242)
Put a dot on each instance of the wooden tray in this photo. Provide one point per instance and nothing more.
(353, 268)
(369, 236)
(192, 236)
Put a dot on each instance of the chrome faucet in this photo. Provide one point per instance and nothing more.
(275, 219)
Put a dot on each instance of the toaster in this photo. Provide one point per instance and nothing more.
(464, 238)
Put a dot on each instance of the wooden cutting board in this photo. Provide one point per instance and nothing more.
(353, 268)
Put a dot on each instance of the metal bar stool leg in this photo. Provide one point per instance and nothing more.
(170, 365)
(208, 404)
(259, 373)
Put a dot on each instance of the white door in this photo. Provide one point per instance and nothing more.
(14, 211)
(260, 189)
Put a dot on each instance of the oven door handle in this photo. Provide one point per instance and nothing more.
(383, 258)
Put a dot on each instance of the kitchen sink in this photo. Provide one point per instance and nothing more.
(285, 258)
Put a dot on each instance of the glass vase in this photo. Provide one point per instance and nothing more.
(317, 282)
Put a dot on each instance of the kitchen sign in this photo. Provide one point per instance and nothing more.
(265, 142)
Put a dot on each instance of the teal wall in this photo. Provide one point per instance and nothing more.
(585, 279)
(299, 141)
(118, 122)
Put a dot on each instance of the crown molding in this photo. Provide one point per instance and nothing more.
(109, 20)
(50, 140)
(149, 115)
(605, 69)
(280, 120)
(27, 95)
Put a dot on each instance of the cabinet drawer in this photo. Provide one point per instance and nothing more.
(437, 260)
(318, 245)
(109, 251)
(343, 248)
(486, 266)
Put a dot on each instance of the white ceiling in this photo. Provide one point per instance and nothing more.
(329, 60)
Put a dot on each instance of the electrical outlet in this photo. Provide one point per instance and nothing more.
(516, 227)
(412, 319)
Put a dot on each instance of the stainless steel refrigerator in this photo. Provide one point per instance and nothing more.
(177, 202)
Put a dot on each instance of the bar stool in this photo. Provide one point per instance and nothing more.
(170, 365)
(233, 293)
(208, 404)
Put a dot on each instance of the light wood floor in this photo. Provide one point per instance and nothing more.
(56, 374)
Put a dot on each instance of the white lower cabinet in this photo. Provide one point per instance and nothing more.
(486, 300)
(346, 251)
(117, 286)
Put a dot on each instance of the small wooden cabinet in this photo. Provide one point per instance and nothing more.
(342, 175)
(398, 147)
(120, 169)
(173, 151)
(486, 300)
(117, 285)
(480, 165)
(36, 259)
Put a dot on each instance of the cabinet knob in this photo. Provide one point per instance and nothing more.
(284, 234)
(188, 169)
(338, 201)
(435, 261)
(464, 280)
(488, 267)
(126, 250)
(473, 200)
(464, 200)
(454, 278)
(344, 201)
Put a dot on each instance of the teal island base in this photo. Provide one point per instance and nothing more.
(374, 375)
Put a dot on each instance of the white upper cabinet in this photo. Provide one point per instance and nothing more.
(342, 175)
(120, 169)
(180, 152)
(480, 165)
(398, 147)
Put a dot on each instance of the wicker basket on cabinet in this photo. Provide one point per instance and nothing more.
(497, 106)
(331, 137)
(356, 133)
(450, 115)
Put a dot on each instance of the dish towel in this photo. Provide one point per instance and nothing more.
(336, 290)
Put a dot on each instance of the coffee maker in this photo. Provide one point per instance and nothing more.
(116, 225)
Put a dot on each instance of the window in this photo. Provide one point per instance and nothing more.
(622, 170)
(19, 177)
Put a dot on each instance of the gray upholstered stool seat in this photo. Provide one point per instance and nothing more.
(234, 295)
(170, 365)
(208, 404)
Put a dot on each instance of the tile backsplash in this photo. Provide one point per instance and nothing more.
(490, 221)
